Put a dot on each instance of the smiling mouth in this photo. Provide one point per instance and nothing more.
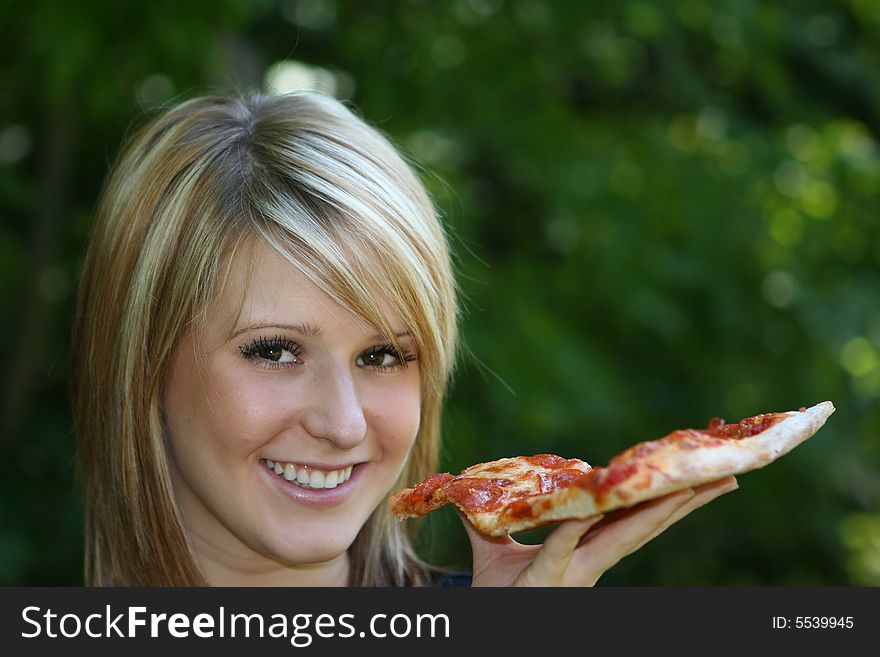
(307, 477)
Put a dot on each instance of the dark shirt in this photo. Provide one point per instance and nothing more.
(452, 579)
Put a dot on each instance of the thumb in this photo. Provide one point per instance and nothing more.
(484, 545)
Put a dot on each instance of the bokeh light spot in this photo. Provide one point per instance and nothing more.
(786, 226)
(790, 178)
(287, 76)
(859, 357)
(801, 141)
(15, 144)
(780, 289)
(448, 51)
(818, 199)
(154, 90)
(860, 534)
(311, 14)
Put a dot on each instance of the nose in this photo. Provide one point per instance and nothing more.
(334, 411)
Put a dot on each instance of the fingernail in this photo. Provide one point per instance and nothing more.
(686, 494)
(590, 520)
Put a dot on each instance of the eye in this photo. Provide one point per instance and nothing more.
(378, 359)
(272, 352)
(383, 357)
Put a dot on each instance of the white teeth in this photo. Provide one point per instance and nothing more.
(308, 477)
(316, 479)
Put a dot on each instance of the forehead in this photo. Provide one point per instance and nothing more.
(262, 287)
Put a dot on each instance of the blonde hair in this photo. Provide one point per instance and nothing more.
(193, 189)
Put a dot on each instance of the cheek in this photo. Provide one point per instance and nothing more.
(253, 409)
(212, 412)
(395, 417)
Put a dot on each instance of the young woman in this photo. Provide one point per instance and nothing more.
(265, 330)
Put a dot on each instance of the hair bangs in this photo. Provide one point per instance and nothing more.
(357, 271)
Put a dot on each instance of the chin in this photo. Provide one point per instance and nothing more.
(313, 549)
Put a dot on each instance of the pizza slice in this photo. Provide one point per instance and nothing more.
(525, 492)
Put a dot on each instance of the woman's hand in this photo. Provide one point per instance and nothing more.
(578, 552)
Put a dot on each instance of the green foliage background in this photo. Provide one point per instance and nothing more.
(661, 212)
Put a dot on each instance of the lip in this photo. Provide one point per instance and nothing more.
(316, 498)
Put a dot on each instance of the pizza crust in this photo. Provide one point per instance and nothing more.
(683, 459)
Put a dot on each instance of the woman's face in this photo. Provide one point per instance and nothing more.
(293, 425)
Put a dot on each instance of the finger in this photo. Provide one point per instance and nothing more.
(553, 558)
(702, 496)
(643, 511)
(607, 544)
(482, 544)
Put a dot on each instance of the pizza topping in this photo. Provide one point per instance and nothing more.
(550, 461)
(425, 490)
(497, 468)
(550, 481)
(477, 495)
(751, 426)
(520, 509)
(432, 483)
(601, 481)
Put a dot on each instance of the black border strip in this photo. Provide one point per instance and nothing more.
(548, 621)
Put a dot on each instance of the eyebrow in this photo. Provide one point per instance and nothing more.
(308, 330)
(301, 329)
